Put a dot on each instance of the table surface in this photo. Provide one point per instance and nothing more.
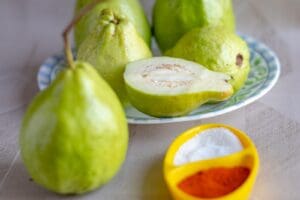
(30, 32)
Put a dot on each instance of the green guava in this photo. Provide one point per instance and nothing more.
(173, 18)
(131, 9)
(111, 47)
(170, 87)
(74, 135)
(217, 49)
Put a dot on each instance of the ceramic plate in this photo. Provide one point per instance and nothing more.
(265, 71)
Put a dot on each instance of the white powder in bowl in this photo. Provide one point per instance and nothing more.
(211, 143)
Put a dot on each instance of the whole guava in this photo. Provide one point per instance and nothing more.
(173, 18)
(217, 49)
(110, 47)
(74, 135)
(131, 9)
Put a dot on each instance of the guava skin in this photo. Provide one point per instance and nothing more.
(173, 18)
(74, 135)
(218, 50)
(131, 9)
(111, 47)
(172, 105)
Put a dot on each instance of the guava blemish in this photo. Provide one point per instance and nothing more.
(239, 60)
(115, 21)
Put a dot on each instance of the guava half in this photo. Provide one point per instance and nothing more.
(170, 87)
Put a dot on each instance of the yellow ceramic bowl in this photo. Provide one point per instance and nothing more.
(246, 158)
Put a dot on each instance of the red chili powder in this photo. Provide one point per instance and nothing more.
(214, 182)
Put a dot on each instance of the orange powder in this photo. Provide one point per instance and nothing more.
(214, 182)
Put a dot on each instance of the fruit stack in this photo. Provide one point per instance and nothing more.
(74, 135)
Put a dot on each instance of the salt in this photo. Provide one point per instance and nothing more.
(211, 143)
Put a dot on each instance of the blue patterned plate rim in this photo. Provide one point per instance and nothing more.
(49, 69)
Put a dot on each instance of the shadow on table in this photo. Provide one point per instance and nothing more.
(19, 185)
(154, 186)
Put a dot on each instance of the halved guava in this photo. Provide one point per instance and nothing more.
(169, 87)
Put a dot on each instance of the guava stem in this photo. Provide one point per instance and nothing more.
(75, 20)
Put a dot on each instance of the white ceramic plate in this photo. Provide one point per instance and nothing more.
(265, 71)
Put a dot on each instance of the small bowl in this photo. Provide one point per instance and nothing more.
(246, 158)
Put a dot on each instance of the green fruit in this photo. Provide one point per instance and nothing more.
(173, 18)
(74, 135)
(131, 9)
(111, 47)
(170, 87)
(217, 49)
